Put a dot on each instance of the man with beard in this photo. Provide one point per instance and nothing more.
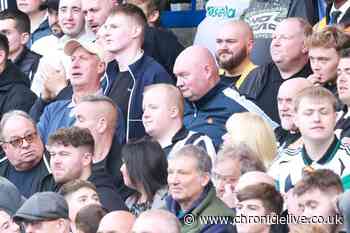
(234, 44)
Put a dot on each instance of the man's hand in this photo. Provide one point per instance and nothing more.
(55, 81)
(315, 79)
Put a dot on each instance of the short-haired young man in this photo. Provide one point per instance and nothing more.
(71, 151)
(163, 113)
(343, 86)
(324, 47)
(88, 218)
(132, 70)
(78, 194)
(259, 200)
(316, 193)
(15, 25)
(315, 117)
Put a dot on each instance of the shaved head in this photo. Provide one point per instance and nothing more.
(253, 178)
(156, 221)
(196, 72)
(116, 221)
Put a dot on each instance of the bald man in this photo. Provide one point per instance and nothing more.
(163, 110)
(288, 133)
(100, 115)
(116, 221)
(209, 102)
(156, 221)
(234, 43)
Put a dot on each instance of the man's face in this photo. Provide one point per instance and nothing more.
(185, 182)
(71, 17)
(231, 48)
(80, 198)
(96, 13)
(252, 207)
(315, 119)
(85, 68)
(287, 45)
(224, 175)
(316, 203)
(157, 113)
(118, 33)
(286, 106)
(85, 117)
(343, 80)
(6, 224)
(68, 162)
(190, 80)
(29, 6)
(16, 39)
(54, 23)
(43, 226)
(324, 62)
(22, 153)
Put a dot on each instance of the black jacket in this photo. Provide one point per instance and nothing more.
(14, 90)
(163, 46)
(258, 82)
(28, 61)
(43, 180)
(111, 165)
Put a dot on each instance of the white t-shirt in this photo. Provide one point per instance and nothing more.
(217, 11)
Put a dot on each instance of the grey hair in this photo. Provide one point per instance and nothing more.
(12, 114)
(204, 164)
(98, 98)
(247, 158)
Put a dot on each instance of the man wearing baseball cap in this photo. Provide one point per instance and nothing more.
(44, 212)
(10, 201)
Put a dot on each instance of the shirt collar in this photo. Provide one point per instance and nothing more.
(342, 9)
(326, 157)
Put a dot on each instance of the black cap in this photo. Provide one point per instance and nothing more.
(10, 198)
(43, 206)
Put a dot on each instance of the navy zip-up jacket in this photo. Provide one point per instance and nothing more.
(144, 72)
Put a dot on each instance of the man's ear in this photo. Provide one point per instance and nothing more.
(174, 112)
(25, 38)
(205, 178)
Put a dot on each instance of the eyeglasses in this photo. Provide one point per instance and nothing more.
(18, 142)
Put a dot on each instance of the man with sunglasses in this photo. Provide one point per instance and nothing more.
(26, 163)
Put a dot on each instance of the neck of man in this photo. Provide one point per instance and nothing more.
(80, 92)
(36, 18)
(166, 139)
(128, 56)
(12, 56)
(292, 69)
(317, 149)
(103, 145)
(186, 205)
(86, 173)
(238, 70)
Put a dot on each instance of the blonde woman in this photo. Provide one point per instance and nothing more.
(255, 132)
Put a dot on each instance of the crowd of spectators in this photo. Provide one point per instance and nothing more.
(109, 124)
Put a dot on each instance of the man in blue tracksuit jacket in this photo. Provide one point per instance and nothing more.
(131, 70)
(209, 102)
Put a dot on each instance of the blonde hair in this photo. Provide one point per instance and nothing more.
(254, 131)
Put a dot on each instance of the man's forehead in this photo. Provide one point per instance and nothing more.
(344, 63)
(70, 3)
